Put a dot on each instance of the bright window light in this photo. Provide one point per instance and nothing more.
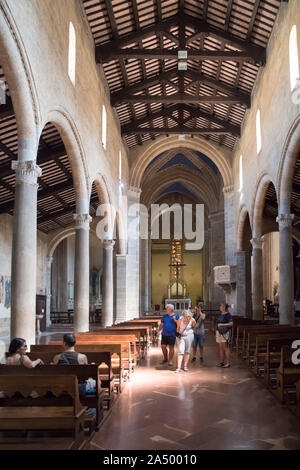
(241, 174)
(258, 132)
(72, 53)
(104, 127)
(120, 165)
(294, 59)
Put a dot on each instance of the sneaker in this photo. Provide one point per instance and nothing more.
(177, 371)
(185, 369)
(221, 364)
(194, 359)
(226, 365)
(170, 363)
(201, 360)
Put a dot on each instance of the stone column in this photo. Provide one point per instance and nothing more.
(149, 273)
(81, 272)
(133, 259)
(24, 244)
(48, 289)
(243, 284)
(144, 266)
(229, 225)
(217, 255)
(121, 289)
(286, 274)
(257, 278)
(108, 290)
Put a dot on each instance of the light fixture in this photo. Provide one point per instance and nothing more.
(182, 65)
(182, 55)
(181, 137)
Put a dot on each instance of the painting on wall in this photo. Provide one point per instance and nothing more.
(5, 290)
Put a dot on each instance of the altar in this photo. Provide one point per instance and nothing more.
(179, 304)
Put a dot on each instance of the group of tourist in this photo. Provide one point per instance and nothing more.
(190, 333)
(188, 329)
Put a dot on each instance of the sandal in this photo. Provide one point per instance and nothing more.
(185, 369)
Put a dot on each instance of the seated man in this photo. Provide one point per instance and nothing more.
(70, 356)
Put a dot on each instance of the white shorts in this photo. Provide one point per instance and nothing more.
(222, 338)
(185, 344)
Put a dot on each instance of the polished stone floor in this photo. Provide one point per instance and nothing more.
(205, 408)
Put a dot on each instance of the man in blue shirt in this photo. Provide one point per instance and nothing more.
(168, 336)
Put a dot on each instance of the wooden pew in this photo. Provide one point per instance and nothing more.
(132, 358)
(252, 334)
(267, 351)
(61, 412)
(287, 376)
(141, 333)
(296, 409)
(249, 332)
(240, 325)
(106, 373)
(82, 372)
(125, 331)
(151, 334)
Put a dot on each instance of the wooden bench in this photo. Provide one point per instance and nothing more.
(82, 372)
(105, 360)
(239, 328)
(61, 411)
(268, 351)
(62, 317)
(141, 333)
(288, 374)
(249, 333)
(130, 356)
(250, 348)
(120, 332)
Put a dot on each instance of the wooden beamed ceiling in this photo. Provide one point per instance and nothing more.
(137, 44)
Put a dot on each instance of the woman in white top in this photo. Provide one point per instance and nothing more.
(185, 326)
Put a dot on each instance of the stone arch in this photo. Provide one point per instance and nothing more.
(258, 205)
(243, 212)
(150, 151)
(18, 73)
(287, 165)
(59, 237)
(211, 202)
(70, 136)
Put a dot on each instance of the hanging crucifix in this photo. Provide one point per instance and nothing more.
(177, 265)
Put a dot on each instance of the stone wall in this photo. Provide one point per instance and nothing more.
(272, 96)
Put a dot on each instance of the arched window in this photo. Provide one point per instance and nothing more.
(294, 59)
(258, 132)
(104, 127)
(72, 53)
(241, 174)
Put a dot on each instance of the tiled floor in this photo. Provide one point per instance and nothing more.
(204, 408)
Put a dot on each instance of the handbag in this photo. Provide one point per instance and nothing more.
(223, 329)
(179, 335)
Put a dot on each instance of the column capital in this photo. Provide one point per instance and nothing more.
(108, 244)
(228, 189)
(82, 221)
(26, 172)
(257, 242)
(134, 191)
(285, 220)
